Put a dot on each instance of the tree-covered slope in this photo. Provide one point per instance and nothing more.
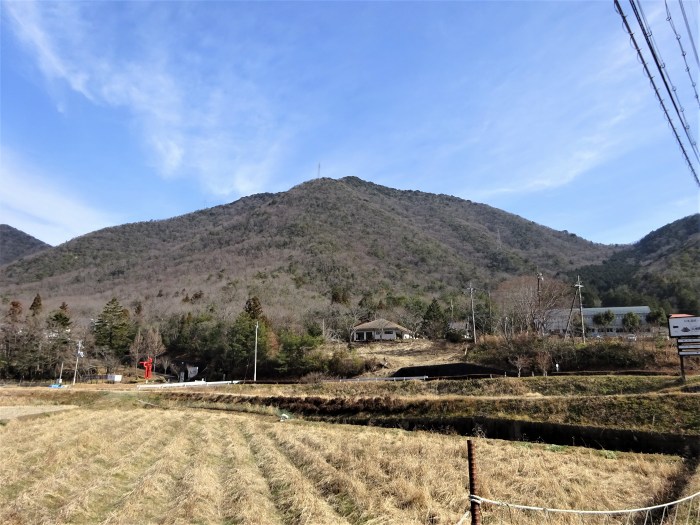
(321, 234)
(345, 239)
(15, 244)
(662, 269)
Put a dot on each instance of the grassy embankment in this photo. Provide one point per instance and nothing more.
(655, 404)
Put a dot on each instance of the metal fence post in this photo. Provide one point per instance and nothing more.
(473, 484)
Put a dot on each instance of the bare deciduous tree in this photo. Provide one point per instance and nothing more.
(147, 345)
(543, 362)
(165, 363)
(528, 302)
(519, 362)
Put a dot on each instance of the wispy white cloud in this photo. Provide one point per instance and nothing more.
(27, 20)
(193, 122)
(488, 103)
(556, 129)
(31, 203)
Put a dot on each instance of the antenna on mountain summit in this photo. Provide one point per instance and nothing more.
(319, 170)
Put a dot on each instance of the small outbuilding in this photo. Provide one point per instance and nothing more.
(379, 330)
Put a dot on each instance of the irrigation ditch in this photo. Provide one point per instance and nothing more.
(610, 439)
(646, 423)
(472, 416)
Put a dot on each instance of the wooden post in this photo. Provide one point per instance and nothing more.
(475, 508)
(682, 369)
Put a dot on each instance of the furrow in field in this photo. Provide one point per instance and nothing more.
(31, 450)
(348, 495)
(423, 489)
(247, 497)
(150, 497)
(199, 490)
(294, 495)
(66, 486)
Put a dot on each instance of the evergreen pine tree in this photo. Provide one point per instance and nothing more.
(113, 327)
(254, 309)
(36, 306)
(434, 321)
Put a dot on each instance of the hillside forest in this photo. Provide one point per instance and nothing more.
(307, 265)
(511, 321)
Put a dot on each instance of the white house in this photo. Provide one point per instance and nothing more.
(379, 330)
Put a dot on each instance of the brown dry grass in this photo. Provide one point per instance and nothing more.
(22, 411)
(412, 352)
(177, 466)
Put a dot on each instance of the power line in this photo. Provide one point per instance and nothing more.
(669, 19)
(690, 33)
(665, 77)
(618, 8)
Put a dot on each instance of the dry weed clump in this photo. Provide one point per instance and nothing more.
(180, 466)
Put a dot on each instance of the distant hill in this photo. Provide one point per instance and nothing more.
(663, 267)
(322, 241)
(15, 244)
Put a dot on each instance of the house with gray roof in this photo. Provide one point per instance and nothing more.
(379, 330)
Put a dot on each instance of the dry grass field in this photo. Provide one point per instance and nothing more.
(185, 466)
(413, 352)
(23, 411)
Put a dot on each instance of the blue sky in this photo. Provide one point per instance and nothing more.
(116, 112)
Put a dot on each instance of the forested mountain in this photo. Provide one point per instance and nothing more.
(662, 269)
(342, 238)
(329, 241)
(15, 244)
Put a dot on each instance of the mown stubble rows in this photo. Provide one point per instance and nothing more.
(196, 466)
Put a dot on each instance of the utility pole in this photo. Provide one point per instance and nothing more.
(540, 317)
(255, 361)
(471, 294)
(488, 291)
(578, 285)
(78, 355)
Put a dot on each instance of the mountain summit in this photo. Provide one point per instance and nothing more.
(298, 248)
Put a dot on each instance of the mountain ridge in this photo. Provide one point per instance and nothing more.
(16, 244)
(302, 246)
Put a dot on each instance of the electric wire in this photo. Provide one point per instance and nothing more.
(633, 40)
(669, 19)
(665, 77)
(690, 34)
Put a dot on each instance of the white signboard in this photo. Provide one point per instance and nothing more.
(683, 326)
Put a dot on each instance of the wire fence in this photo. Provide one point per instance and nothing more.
(685, 511)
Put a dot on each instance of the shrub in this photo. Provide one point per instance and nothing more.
(347, 364)
(596, 355)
